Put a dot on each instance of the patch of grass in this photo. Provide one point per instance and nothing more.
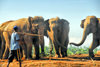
(42, 64)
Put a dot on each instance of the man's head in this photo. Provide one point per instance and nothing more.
(15, 28)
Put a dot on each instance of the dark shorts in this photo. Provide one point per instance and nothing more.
(12, 54)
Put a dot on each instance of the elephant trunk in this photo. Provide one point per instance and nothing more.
(41, 32)
(41, 38)
(85, 33)
(56, 41)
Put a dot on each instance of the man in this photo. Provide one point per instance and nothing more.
(14, 46)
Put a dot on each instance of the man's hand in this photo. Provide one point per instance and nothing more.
(24, 34)
(22, 37)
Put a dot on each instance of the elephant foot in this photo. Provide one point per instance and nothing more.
(0, 57)
(66, 55)
(5, 57)
(91, 56)
(43, 54)
(36, 58)
(30, 58)
(63, 55)
(59, 56)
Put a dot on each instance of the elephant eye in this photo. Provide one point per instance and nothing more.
(52, 23)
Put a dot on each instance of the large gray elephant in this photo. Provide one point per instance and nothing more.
(91, 25)
(57, 30)
(29, 25)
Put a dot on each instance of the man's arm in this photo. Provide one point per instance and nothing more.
(19, 39)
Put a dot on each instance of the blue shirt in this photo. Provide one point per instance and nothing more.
(14, 42)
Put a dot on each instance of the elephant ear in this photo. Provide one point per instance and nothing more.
(60, 25)
(30, 22)
(47, 28)
(82, 23)
(47, 25)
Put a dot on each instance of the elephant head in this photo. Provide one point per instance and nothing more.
(53, 28)
(36, 25)
(90, 25)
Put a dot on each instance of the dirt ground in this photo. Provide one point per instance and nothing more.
(78, 60)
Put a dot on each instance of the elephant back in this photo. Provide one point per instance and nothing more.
(3, 25)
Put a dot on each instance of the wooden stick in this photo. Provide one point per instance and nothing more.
(92, 61)
(25, 33)
(19, 56)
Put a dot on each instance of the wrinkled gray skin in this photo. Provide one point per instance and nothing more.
(57, 30)
(91, 25)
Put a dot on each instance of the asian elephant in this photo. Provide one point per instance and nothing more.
(31, 25)
(2, 41)
(91, 25)
(57, 30)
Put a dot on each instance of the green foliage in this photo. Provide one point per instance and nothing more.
(76, 50)
(95, 50)
(71, 50)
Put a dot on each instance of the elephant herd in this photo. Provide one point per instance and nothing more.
(56, 29)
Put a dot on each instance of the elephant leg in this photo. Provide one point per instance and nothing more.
(94, 44)
(2, 48)
(29, 51)
(51, 46)
(7, 46)
(6, 53)
(36, 45)
(28, 46)
(25, 50)
(62, 50)
(66, 45)
(64, 42)
(57, 49)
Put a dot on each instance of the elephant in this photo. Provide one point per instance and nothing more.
(57, 30)
(31, 25)
(2, 42)
(91, 25)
